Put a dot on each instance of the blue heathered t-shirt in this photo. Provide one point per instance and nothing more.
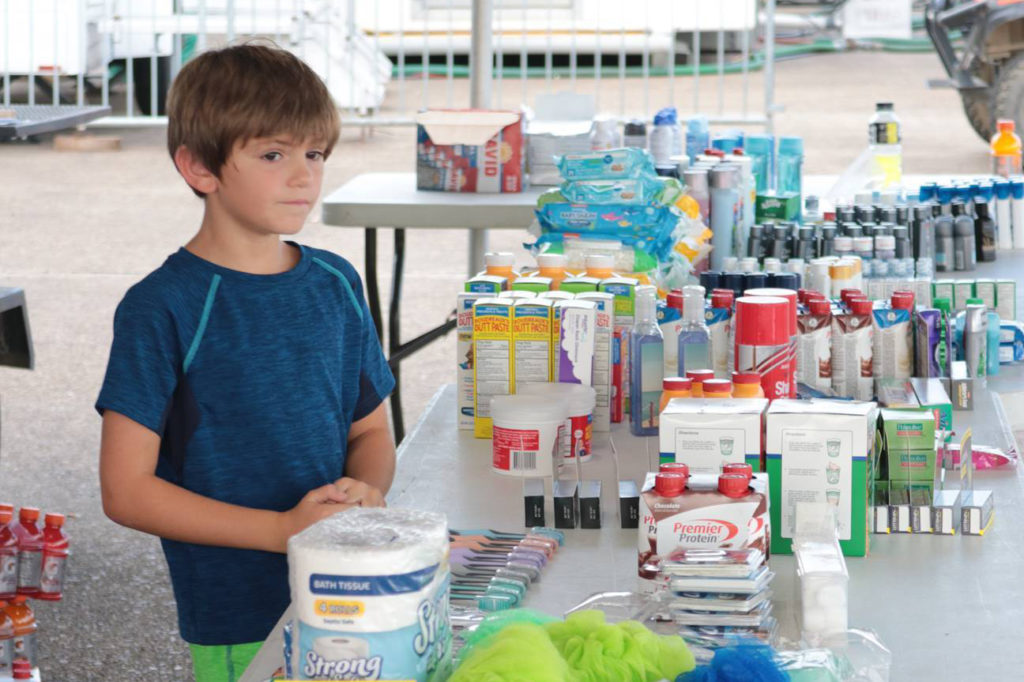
(252, 382)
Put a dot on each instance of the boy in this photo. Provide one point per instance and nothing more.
(243, 399)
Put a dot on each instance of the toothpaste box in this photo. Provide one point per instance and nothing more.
(464, 359)
(1006, 299)
(985, 289)
(535, 284)
(532, 324)
(943, 288)
(575, 337)
(908, 443)
(624, 291)
(962, 290)
(486, 284)
(821, 451)
(932, 355)
(603, 356)
(617, 398)
(470, 150)
(492, 359)
(704, 434)
(931, 395)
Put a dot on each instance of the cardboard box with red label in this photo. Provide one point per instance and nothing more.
(470, 150)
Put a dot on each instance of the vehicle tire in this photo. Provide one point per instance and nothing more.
(1008, 94)
(978, 107)
(143, 84)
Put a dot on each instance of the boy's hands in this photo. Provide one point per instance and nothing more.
(359, 493)
(325, 501)
(317, 504)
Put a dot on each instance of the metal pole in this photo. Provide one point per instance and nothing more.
(481, 56)
(769, 66)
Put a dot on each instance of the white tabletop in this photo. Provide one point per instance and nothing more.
(392, 200)
(949, 608)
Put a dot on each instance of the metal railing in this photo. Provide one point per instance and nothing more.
(385, 60)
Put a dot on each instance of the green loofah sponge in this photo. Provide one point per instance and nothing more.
(495, 622)
(626, 652)
(520, 652)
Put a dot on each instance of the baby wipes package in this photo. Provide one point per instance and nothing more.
(370, 590)
(607, 165)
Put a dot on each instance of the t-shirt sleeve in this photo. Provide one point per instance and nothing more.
(142, 370)
(375, 379)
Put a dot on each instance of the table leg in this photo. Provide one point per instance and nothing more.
(372, 292)
(477, 249)
(394, 333)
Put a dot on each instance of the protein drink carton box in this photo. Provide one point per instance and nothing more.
(464, 359)
(492, 359)
(704, 434)
(908, 443)
(821, 451)
(698, 517)
(470, 150)
(574, 336)
(532, 347)
(604, 307)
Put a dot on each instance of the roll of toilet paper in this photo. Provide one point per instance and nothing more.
(337, 648)
(370, 592)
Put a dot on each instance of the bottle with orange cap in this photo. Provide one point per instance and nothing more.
(56, 548)
(1006, 149)
(8, 554)
(500, 263)
(24, 622)
(552, 265)
(6, 642)
(30, 551)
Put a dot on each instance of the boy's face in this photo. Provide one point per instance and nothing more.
(269, 185)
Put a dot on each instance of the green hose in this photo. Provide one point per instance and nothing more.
(754, 63)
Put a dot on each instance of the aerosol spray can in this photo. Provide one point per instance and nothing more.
(789, 294)
(724, 182)
(763, 343)
(976, 339)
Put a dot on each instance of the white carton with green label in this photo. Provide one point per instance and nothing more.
(821, 451)
(706, 433)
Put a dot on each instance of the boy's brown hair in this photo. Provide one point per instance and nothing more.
(238, 93)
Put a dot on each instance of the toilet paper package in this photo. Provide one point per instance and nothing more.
(370, 592)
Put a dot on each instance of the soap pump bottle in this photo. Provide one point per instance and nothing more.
(647, 364)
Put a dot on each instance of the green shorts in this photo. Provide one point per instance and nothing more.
(224, 663)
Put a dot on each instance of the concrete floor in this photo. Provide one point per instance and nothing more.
(77, 230)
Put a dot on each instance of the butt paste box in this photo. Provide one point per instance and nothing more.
(470, 150)
(532, 322)
(821, 451)
(699, 518)
(492, 358)
(464, 359)
(704, 434)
